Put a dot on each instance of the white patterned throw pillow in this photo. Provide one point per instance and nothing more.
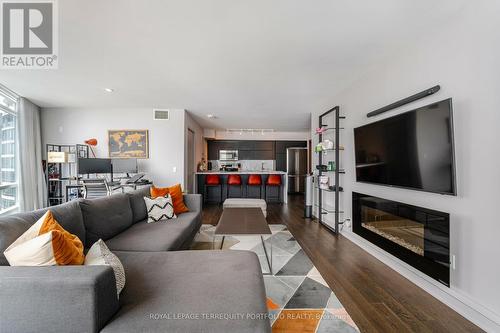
(99, 254)
(160, 208)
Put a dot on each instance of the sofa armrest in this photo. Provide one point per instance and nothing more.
(193, 202)
(56, 298)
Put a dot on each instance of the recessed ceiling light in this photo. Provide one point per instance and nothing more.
(109, 90)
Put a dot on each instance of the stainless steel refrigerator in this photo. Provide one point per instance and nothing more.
(296, 168)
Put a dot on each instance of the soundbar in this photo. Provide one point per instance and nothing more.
(404, 101)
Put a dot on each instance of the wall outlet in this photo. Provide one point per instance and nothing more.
(453, 262)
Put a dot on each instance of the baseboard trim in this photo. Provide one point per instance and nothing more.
(468, 308)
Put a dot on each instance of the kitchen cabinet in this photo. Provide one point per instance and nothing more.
(247, 149)
(281, 146)
(280, 162)
(213, 150)
(255, 149)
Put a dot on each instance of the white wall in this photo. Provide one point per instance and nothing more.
(166, 137)
(199, 149)
(465, 60)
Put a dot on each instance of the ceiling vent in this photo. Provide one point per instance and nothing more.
(161, 114)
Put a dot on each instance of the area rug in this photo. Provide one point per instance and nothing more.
(298, 298)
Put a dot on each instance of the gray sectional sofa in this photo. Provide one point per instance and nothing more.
(167, 289)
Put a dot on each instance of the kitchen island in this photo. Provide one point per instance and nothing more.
(214, 194)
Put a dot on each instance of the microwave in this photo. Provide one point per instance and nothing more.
(228, 155)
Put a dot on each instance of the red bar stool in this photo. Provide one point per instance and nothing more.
(234, 180)
(273, 181)
(254, 180)
(212, 181)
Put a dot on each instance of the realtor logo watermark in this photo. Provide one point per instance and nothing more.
(29, 34)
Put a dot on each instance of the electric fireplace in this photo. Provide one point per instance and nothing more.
(418, 236)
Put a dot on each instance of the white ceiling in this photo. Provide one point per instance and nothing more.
(253, 64)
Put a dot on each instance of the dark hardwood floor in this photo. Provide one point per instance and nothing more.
(378, 298)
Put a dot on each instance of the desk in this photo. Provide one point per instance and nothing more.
(134, 185)
(74, 192)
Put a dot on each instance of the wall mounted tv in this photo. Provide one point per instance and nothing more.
(410, 150)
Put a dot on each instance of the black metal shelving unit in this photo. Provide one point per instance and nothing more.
(59, 176)
(324, 209)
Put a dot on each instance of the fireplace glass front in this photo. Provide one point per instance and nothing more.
(416, 235)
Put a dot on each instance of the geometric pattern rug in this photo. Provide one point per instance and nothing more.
(298, 298)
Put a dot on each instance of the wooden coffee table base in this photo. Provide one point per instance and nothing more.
(245, 222)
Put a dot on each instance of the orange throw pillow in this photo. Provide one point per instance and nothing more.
(176, 194)
(45, 243)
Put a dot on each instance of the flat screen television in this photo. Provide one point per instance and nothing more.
(410, 150)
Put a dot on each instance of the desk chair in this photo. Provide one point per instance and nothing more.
(95, 188)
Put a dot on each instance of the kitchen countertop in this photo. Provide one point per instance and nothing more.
(256, 172)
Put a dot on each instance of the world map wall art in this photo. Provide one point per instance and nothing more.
(128, 143)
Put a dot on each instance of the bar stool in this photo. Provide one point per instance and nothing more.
(212, 181)
(234, 180)
(273, 181)
(255, 180)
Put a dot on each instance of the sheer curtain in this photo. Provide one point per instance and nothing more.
(32, 189)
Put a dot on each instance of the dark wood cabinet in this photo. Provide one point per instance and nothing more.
(245, 155)
(247, 149)
(280, 162)
(281, 146)
(213, 150)
(255, 150)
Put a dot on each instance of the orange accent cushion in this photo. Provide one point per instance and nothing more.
(45, 243)
(234, 180)
(176, 194)
(254, 180)
(68, 248)
(274, 180)
(212, 180)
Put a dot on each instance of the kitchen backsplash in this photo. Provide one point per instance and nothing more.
(246, 165)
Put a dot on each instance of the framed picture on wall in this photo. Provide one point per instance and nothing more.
(128, 143)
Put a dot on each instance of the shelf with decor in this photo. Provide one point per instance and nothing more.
(340, 171)
(325, 209)
(329, 189)
(326, 151)
(328, 169)
(61, 170)
(329, 129)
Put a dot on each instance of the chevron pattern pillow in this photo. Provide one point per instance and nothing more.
(99, 254)
(160, 208)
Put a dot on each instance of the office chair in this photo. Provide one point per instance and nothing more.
(95, 188)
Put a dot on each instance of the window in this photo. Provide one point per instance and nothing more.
(9, 197)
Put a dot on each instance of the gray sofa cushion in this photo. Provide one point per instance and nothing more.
(192, 283)
(159, 236)
(68, 215)
(56, 298)
(137, 204)
(106, 217)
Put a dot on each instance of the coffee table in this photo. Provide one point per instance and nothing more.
(247, 222)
